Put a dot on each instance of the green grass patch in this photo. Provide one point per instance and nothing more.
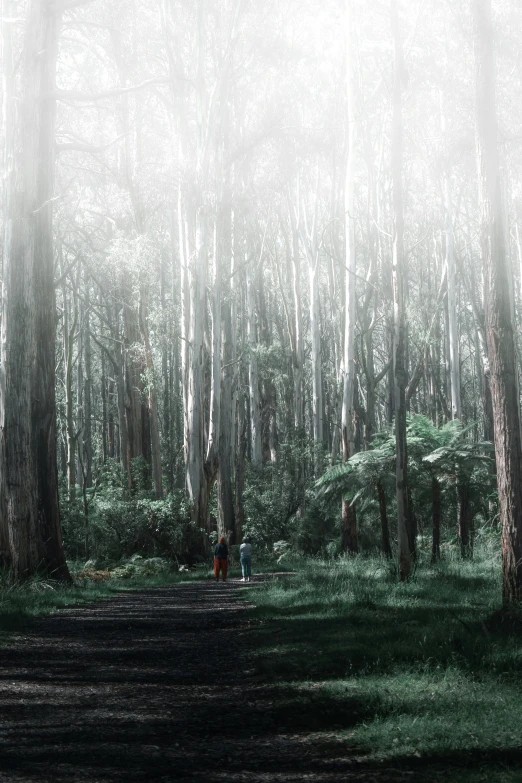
(20, 603)
(425, 675)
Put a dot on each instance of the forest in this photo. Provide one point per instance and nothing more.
(262, 278)
(248, 286)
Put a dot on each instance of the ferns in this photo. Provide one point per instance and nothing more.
(443, 451)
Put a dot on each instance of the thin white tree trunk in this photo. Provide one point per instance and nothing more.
(453, 336)
(68, 336)
(253, 373)
(153, 401)
(310, 241)
(298, 326)
(349, 532)
(195, 433)
(317, 378)
(215, 374)
(399, 318)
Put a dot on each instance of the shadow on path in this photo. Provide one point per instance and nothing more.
(156, 686)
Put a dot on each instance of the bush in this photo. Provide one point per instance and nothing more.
(119, 525)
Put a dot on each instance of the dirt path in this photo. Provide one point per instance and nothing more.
(152, 686)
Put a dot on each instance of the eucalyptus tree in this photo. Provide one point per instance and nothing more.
(28, 398)
(399, 314)
(498, 316)
(349, 529)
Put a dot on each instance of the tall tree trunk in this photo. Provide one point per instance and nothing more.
(241, 452)
(123, 440)
(68, 336)
(385, 528)
(226, 512)
(214, 427)
(348, 515)
(79, 306)
(134, 367)
(499, 326)
(196, 484)
(253, 375)
(166, 372)
(298, 329)
(453, 336)
(28, 409)
(399, 316)
(106, 428)
(87, 390)
(465, 518)
(317, 374)
(153, 402)
(436, 516)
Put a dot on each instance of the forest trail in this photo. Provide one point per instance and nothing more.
(155, 685)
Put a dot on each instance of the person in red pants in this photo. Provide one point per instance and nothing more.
(221, 559)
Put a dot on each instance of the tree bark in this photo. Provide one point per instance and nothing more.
(385, 528)
(87, 398)
(453, 336)
(499, 326)
(399, 316)
(253, 374)
(28, 410)
(68, 336)
(152, 395)
(133, 384)
(348, 514)
(465, 519)
(226, 511)
(436, 516)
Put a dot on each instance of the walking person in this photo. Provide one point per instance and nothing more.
(221, 559)
(245, 558)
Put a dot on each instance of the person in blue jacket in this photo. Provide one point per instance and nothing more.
(245, 558)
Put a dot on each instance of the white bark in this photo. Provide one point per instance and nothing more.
(215, 378)
(195, 435)
(350, 263)
(153, 402)
(399, 322)
(311, 244)
(453, 335)
(317, 378)
(185, 317)
(298, 326)
(253, 375)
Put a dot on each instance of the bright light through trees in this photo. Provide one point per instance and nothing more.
(264, 231)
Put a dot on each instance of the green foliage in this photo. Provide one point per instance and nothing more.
(443, 452)
(119, 524)
(20, 603)
(316, 526)
(422, 676)
(138, 566)
(270, 505)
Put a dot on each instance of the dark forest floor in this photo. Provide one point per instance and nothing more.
(162, 685)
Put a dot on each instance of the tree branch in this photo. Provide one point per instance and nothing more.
(79, 95)
(79, 146)
(417, 373)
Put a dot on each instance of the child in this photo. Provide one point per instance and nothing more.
(221, 559)
(245, 558)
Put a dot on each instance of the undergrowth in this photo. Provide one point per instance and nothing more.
(19, 603)
(424, 675)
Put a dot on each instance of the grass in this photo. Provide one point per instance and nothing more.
(425, 675)
(20, 603)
